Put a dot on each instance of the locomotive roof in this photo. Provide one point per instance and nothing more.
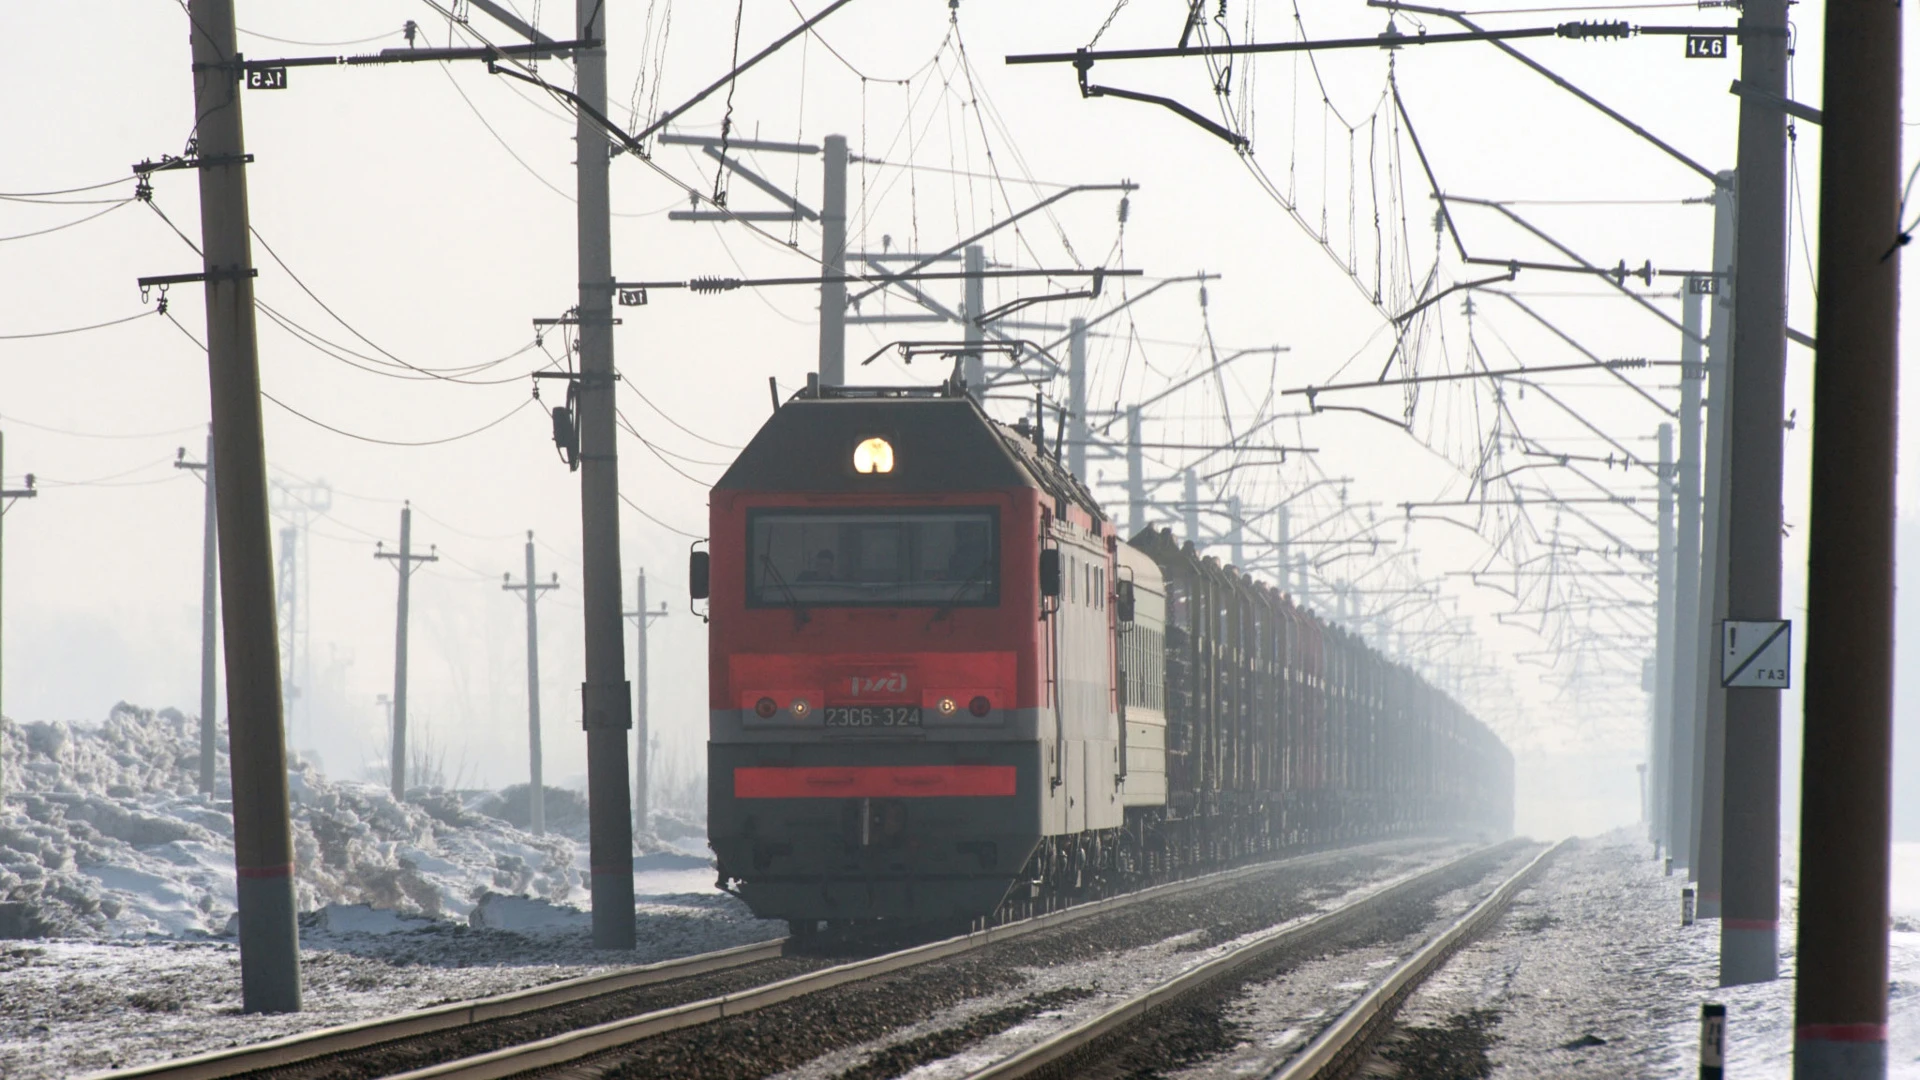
(941, 441)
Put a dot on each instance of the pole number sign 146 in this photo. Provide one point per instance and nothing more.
(1706, 46)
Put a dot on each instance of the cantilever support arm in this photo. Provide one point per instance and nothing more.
(1233, 138)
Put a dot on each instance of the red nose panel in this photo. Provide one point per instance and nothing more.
(872, 781)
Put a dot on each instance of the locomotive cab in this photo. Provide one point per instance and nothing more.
(890, 578)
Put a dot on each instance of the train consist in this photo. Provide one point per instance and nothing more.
(942, 685)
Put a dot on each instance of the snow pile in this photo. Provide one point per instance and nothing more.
(103, 833)
(526, 915)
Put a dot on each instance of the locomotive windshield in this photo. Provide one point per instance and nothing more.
(841, 558)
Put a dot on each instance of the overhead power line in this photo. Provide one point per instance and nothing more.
(74, 329)
(64, 191)
(399, 442)
(67, 225)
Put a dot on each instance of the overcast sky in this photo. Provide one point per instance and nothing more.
(421, 213)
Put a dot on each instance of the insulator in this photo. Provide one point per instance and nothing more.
(1593, 31)
(713, 284)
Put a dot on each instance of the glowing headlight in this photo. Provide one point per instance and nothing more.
(799, 706)
(873, 456)
(946, 706)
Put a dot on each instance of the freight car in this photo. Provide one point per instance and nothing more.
(943, 686)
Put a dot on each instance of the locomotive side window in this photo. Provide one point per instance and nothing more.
(884, 557)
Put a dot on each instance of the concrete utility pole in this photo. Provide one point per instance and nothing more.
(1136, 480)
(295, 504)
(974, 369)
(404, 563)
(262, 833)
(1236, 533)
(833, 269)
(1663, 633)
(6, 501)
(287, 592)
(209, 606)
(1190, 506)
(1710, 734)
(536, 791)
(1674, 794)
(1750, 851)
(606, 698)
(643, 743)
(1077, 434)
(1283, 564)
(1840, 992)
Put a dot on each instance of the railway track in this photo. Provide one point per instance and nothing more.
(1338, 1048)
(561, 1023)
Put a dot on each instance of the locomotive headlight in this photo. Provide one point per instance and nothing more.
(980, 706)
(799, 706)
(947, 706)
(873, 456)
(765, 708)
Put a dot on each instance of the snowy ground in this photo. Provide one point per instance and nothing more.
(116, 886)
(1592, 975)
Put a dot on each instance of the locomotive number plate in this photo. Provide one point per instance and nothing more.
(871, 716)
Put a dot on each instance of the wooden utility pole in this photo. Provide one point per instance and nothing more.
(1750, 843)
(1840, 994)
(642, 731)
(6, 502)
(533, 587)
(606, 697)
(404, 561)
(209, 607)
(262, 833)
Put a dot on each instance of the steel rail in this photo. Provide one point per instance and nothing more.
(324, 1042)
(1349, 1035)
(594, 1040)
(1042, 1056)
(587, 1042)
(306, 1046)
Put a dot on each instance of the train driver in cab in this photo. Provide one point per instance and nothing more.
(822, 569)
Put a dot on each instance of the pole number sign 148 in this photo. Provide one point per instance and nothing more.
(1756, 654)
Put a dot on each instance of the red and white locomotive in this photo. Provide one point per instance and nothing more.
(941, 683)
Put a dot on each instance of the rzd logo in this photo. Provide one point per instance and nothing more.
(890, 683)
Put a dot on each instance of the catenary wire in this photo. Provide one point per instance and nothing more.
(321, 44)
